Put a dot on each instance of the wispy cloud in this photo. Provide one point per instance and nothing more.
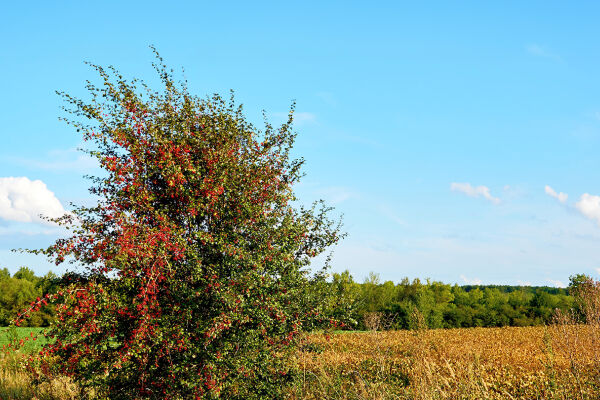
(328, 98)
(556, 283)
(300, 118)
(474, 191)
(562, 197)
(20, 230)
(391, 215)
(336, 194)
(469, 281)
(541, 51)
(523, 283)
(61, 160)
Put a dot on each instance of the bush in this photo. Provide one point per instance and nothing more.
(195, 262)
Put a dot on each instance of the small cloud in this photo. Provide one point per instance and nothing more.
(541, 51)
(477, 191)
(523, 283)
(301, 118)
(589, 206)
(556, 283)
(24, 200)
(562, 197)
(597, 270)
(474, 281)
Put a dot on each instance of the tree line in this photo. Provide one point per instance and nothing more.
(387, 305)
(22, 288)
(372, 304)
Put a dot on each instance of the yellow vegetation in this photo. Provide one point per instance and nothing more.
(16, 384)
(557, 362)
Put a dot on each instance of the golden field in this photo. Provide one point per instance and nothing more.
(555, 362)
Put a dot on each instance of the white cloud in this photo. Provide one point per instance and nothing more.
(24, 200)
(474, 281)
(541, 51)
(562, 197)
(471, 191)
(589, 206)
(523, 283)
(597, 270)
(556, 283)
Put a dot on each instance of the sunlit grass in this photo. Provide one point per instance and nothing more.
(33, 338)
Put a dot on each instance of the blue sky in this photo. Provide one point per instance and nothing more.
(460, 141)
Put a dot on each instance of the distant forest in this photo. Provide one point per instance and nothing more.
(369, 305)
(387, 305)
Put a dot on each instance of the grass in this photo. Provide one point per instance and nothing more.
(27, 334)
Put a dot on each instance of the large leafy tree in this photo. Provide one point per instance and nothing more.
(195, 261)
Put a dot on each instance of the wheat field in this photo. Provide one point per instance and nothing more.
(556, 362)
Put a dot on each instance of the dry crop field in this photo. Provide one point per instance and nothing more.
(556, 362)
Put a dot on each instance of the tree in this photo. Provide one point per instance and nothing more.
(4, 274)
(586, 298)
(578, 280)
(26, 274)
(22, 289)
(15, 294)
(347, 297)
(194, 261)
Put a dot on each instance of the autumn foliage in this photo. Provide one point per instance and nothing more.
(193, 278)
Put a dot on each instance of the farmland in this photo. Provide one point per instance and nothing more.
(491, 363)
(554, 362)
